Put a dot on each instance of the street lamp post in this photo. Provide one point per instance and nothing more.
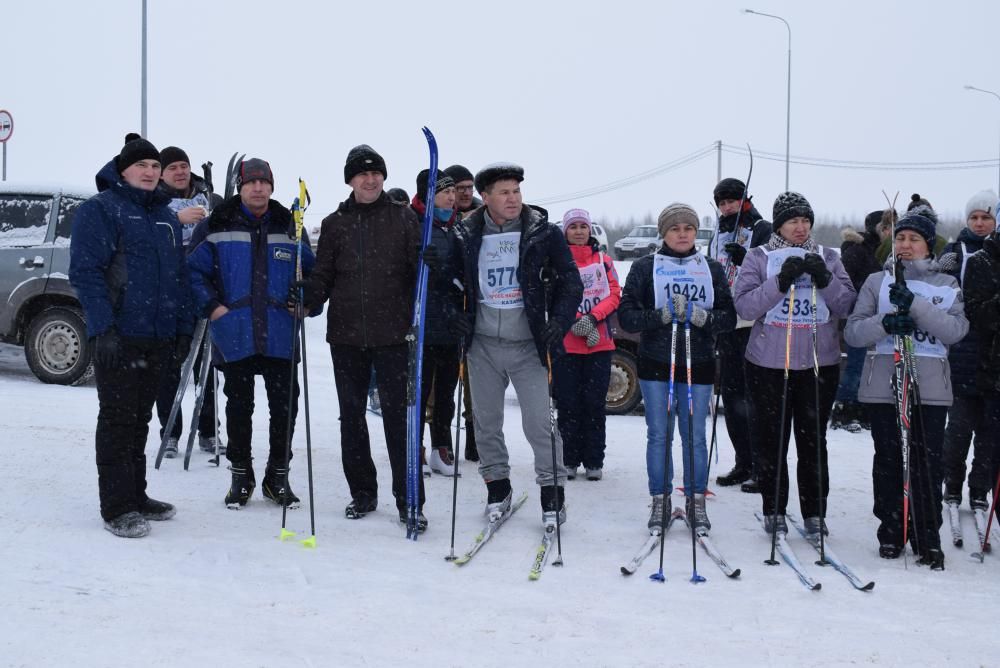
(997, 96)
(788, 94)
(144, 87)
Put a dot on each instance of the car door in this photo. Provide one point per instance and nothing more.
(24, 256)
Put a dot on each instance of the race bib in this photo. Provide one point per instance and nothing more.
(498, 261)
(688, 276)
(178, 204)
(717, 250)
(595, 286)
(802, 309)
(924, 344)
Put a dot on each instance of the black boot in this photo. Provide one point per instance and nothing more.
(242, 485)
(553, 504)
(734, 477)
(838, 415)
(933, 558)
(277, 488)
(471, 454)
(751, 486)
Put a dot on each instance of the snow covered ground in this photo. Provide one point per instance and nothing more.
(214, 586)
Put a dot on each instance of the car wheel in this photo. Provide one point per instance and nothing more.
(623, 389)
(56, 346)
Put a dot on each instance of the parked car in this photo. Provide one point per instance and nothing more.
(598, 233)
(704, 237)
(38, 308)
(623, 388)
(641, 241)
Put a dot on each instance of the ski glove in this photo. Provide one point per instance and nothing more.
(737, 253)
(900, 296)
(587, 328)
(182, 347)
(106, 348)
(816, 267)
(552, 333)
(699, 316)
(948, 262)
(792, 268)
(899, 324)
(680, 306)
(433, 257)
(460, 325)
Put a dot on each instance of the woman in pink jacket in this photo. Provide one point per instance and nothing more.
(581, 376)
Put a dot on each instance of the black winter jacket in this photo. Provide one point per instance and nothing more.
(963, 356)
(858, 255)
(981, 290)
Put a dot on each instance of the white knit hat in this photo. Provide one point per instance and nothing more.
(984, 200)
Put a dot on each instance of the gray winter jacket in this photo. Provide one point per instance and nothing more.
(755, 294)
(864, 329)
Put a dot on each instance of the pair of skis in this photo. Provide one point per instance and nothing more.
(655, 540)
(979, 517)
(493, 526)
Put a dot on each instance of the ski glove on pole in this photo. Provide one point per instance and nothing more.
(816, 267)
(791, 269)
(460, 325)
(552, 333)
(737, 253)
(899, 324)
(106, 348)
(900, 296)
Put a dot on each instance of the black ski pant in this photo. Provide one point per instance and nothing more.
(126, 392)
(765, 388)
(732, 348)
(581, 391)
(239, 390)
(926, 435)
(440, 376)
(171, 378)
(352, 367)
(991, 427)
(965, 427)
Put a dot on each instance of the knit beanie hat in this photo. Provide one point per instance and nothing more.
(136, 148)
(576, 216)
(443, 181)
(498, 171)
(984, 200)
(916, 200)
(173, 154)
(872, 220)
(675, 214)
(790, 205)
(253, 169)
(398, 195)
(363, 158)
(922, 220)
(729, 189)
(458, 173)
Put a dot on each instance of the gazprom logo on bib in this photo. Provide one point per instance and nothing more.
(660, 271)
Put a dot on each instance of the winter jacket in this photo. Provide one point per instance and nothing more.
(444, 298)
(585, 256)
(247, 265)
(864, 330)
(542, 246)
(982, 303)
(366, 264)
(127, 263)
(638, 312)
(755, 294)
(858, 255)
(750, 222)
(964, 355)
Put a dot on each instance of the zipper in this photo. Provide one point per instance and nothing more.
(947, 383)
(871, 369)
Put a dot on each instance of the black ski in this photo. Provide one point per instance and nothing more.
(831, 557)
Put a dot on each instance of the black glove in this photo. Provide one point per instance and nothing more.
(433, 257)
(182, 347)
(552, 333)
(295, 293)
(460, 325)
(900, 324)
(816, 267)
(737, 253)
(792, 268)
(106, 347)
(900, 296)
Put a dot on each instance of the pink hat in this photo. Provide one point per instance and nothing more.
(575, 216)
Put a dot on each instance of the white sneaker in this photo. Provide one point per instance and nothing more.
(442, 465)
(171, 450)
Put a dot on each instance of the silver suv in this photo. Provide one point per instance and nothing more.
(641, 241)
(38, 307)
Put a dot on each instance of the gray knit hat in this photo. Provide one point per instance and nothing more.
(984, 200)
(675, 214)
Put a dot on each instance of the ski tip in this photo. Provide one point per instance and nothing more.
(735, 574)
(286, 534)
(309, 542)
(869, 586)
(626, 571)
(816, 587)
(533, 575)
(978, 556)
(658, 577)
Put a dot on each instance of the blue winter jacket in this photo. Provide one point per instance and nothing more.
(127, 262)
(247, 265)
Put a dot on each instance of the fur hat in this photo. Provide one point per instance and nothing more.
(872, 220)
(363, 158)
(675, 214)
(729, 189)
(498, 171)
(790, 205)
(984, 200)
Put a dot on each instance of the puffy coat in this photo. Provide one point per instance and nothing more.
(444, 298)
(858, 255)
(585, 256)
(964, 355)
(248, 266)
(864, 330)
(127, 263)
(982, 303)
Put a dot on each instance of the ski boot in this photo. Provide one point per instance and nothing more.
(242, 485)
(498, 498)
(838, 417)
(553, 505)
(128, 525)
(155, 510)
(656, 511)
(813, 525)
(769, 522)
(421, 520)
(277, 488)
(595, 474)
(933, 558)
(751, 486)
(360, 507)
(442, 462)
(735, 477)
(889, 551)
(170, 451)
(207, 444)
(696, 513)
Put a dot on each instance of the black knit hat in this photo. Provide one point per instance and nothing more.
(922, 220)
(443, 181)
(136, 148)
(398, 195)
(497, 171)
(729, 189)
(790, 205)
(459, 173)
(363, 158)
(253, 169)
(916, 200)
(173, 154)
(872, 220)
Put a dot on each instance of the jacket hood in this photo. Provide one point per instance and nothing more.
(849, 234)
(107, 176)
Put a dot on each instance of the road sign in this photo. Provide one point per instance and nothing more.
(6, 126)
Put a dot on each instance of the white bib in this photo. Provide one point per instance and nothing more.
(965, 261)
(802, 309)
(924, 345)
(717, 249)
(689, 276)
(499, 257)
(595, 285)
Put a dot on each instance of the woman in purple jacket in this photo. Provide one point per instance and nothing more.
(761, 293)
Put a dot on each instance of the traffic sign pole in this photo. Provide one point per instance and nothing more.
(6, 130)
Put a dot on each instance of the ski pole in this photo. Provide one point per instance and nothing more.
(819, 438)
(692, 483)
(199, 402)
(458, 434)
(779, 464)
(717, 391)
(215, 412)
(732, 269)
(186, 370)
(658, 576)
(547, 286)
(989, 523)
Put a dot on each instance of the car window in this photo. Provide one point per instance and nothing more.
(24, 220)
(64, 223)
(646, 232)
(705, 234)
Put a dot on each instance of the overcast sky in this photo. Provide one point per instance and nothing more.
(581, 93)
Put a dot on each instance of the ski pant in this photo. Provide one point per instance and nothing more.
(352, 370)
(239, 391)
(493, 365)
(581, 391)
(965, 427)
(732, 348)
(168, 389)
(126, 393)
(660, 435)
(765, 387)
(926, 435)
(847, 390)
(439, 376)
(991, 427)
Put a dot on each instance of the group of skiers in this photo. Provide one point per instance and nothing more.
(515, 299)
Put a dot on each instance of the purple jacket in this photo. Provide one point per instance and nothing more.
(755, 295)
